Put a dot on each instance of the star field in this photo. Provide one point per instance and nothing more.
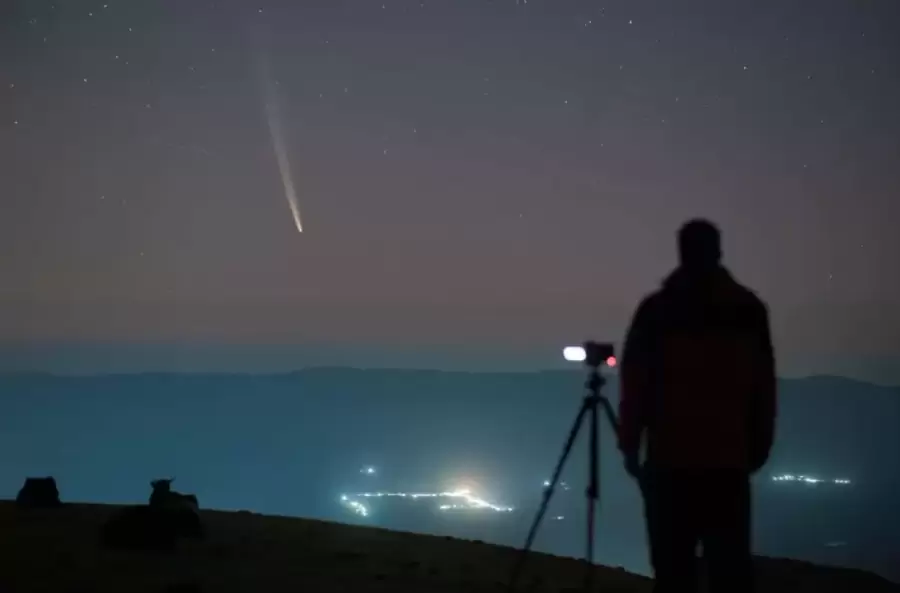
(472, 171)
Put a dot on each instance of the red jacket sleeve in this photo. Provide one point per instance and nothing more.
(634, 381)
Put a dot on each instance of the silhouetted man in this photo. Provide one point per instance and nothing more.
(698, 386)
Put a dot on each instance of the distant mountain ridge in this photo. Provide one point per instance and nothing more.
(362, 369)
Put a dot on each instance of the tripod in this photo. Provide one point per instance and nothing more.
(594, 385)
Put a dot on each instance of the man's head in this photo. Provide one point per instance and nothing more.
(699, 245)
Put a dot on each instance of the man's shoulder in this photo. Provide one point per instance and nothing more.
(651, 302)
(749, 299)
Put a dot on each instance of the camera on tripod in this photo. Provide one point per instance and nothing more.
(592, 354)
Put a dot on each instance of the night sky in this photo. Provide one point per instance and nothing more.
(503, 173)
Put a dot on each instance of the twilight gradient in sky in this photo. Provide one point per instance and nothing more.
(500, 172)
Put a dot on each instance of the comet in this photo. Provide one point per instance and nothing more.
(279, 144)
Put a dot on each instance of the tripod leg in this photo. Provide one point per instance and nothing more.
(548, 492)
(593, 494)
(610, 414)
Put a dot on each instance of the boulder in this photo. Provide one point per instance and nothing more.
(39, 493)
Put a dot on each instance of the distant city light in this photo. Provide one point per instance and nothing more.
(808, 479)
(358, 508)
(468, 500)
(563, 485)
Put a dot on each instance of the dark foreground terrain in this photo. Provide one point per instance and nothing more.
(58, 550)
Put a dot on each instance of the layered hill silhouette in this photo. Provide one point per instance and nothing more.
(58, 550)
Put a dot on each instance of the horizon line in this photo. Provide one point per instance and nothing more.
(353, 368)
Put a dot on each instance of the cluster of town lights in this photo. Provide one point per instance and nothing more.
(463, 500)
(807, 479)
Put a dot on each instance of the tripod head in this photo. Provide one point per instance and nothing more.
(593, 355)
(595, 383)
